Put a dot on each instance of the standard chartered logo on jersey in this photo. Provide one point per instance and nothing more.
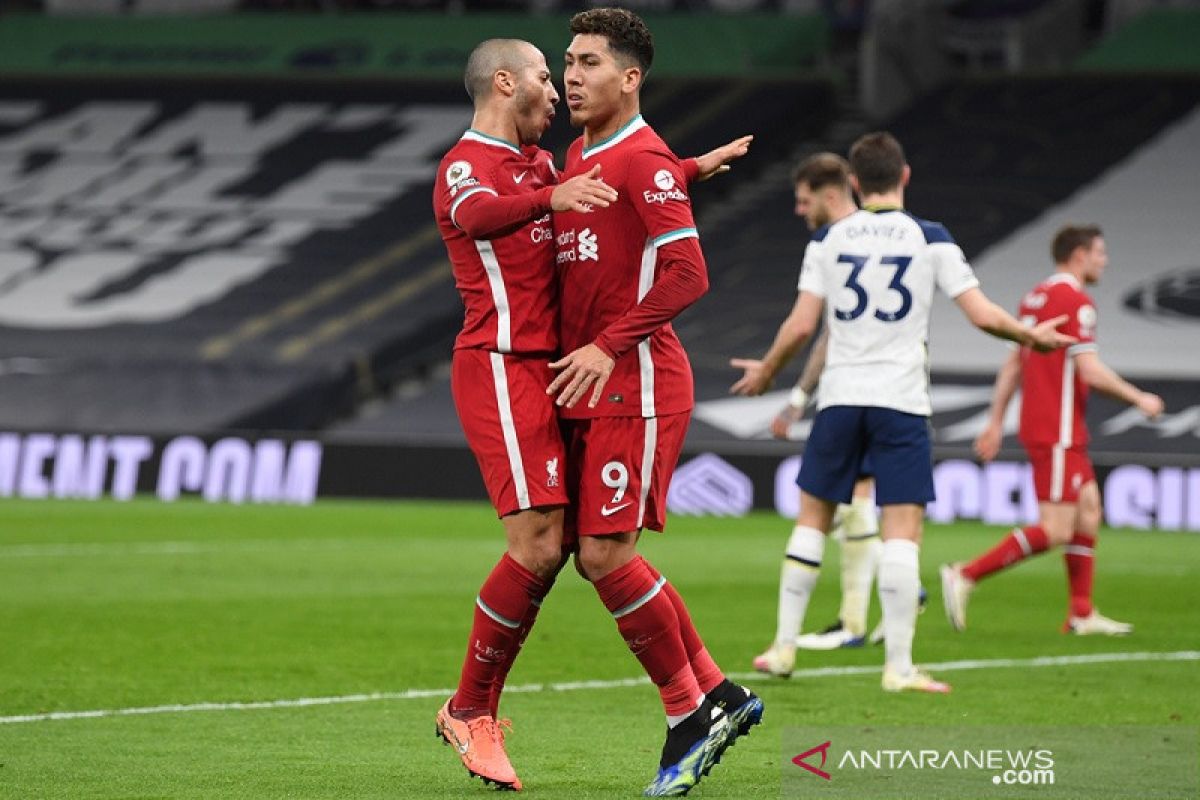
(117, 212)
(575, 245)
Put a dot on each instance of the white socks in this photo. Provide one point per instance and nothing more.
(899, 583)
(801, 567)
(861, 549)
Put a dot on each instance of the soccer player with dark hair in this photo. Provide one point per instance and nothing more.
(821, 184)
(873, 275)
(493, 195)
(625, 272)
(1054, 391)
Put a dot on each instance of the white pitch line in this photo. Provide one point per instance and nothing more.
(162, 548)
(574, 686)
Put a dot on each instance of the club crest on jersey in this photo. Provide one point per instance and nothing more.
(665, 182)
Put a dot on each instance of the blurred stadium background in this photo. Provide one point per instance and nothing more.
(220, 275)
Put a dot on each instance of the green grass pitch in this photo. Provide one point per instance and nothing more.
(109, 606)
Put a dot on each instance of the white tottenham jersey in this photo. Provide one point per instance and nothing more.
(877, 271)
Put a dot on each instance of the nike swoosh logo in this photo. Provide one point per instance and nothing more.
(521, 177)
(461, 747)
(605, 511)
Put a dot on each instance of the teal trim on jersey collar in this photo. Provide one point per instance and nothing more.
(492, 140)
(607, 139)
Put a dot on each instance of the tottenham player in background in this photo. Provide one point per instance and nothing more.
(1053, 430)
(823, 195)
(873, 275)
(625, 272)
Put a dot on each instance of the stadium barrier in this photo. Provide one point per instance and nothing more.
(265, 469)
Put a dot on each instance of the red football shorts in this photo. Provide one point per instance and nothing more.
(1059, 472)
(511, 427)
(620, 469)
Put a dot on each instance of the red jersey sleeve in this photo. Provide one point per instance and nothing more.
(484, 215)
(656, 182)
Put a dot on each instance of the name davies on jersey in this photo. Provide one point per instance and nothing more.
(876, 231)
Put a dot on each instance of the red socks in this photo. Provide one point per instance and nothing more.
(1017, 546)
(708, 674)
(501, 609)
(1080, 555)
(647, 620)
(535, 605)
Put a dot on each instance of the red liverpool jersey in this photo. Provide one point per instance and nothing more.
(503, 259)
(627, 270)
(1053, 397)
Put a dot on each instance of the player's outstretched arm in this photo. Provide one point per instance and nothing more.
(798, 400)
(757, 374)
(716, 161)
(583, 192)
(1096, 374)
(987, 444)
(991, 318)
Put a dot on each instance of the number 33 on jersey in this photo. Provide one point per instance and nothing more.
(877, 271)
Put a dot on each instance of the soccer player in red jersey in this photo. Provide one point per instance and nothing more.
(493, 195)
(1054, 390)
(625, 272)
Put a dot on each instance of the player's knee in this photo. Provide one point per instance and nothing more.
(579, 568)
(596, 562)
(1089, 519)
(541, 556)
(1058, 534)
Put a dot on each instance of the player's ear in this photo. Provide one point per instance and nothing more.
(906, 176)
(504, 82)
(632, 80)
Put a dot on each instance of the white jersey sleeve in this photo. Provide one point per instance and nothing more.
(813, 270)
(954, 274)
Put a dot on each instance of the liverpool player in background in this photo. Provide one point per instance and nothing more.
(492, 197)
(625, 272)
(1054, 390)
(873, 274)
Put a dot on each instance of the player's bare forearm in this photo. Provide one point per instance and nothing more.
(991, 318)
(1099, 376)
(792, 334)
(1007, 381)
(759, 374)
(811, 375)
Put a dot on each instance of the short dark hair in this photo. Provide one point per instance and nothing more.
(628, 36)
(822, 169)
(1070, 238)
(877, 160)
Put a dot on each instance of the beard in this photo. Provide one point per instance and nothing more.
(529, 120)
